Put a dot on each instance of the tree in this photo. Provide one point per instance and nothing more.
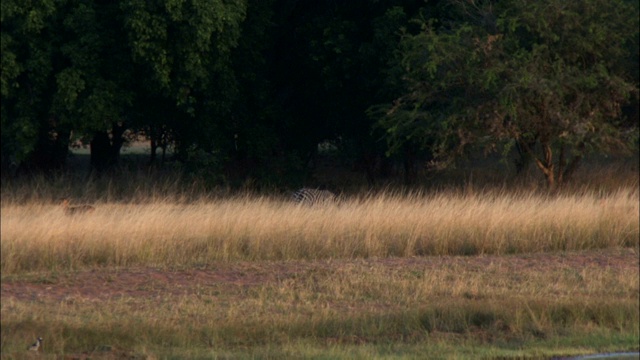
(549, 75)
(27, 44)
(184, 80)
(331, 61)
(62, 71)
(83, 66)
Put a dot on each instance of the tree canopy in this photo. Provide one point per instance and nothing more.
(548, 76)
(252, 87)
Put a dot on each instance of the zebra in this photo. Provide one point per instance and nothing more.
(313, 197)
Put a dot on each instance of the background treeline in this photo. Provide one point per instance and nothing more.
(254, 90)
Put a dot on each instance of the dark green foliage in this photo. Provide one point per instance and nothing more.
(81, 65)
(551, 76)
(255, 86)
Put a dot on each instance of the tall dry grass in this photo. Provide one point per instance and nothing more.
(38, 235)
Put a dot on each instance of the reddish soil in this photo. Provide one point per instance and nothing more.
(230, 278)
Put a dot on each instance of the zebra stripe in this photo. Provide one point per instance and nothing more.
(312, 197)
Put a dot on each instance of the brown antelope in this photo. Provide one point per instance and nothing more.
(75, 210)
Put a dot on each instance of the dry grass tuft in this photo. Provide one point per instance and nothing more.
(38, 236)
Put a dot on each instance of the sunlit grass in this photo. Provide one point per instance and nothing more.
(333, 305)
(39, 236)
(324, 284)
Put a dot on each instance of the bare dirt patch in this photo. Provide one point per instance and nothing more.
(234, 278)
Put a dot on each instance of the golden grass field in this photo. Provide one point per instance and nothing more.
(443, 274)
(39, 236)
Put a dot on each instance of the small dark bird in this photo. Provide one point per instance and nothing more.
(36, 345)
(75, 210)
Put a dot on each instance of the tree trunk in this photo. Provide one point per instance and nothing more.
(409, 163)
(105, 152)
(164, 153)
(369, 162)
(100, 150)
(152, 154)
(572, 167)
(545, 164)
(50, 153)
(525, 153)
(117, 140)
